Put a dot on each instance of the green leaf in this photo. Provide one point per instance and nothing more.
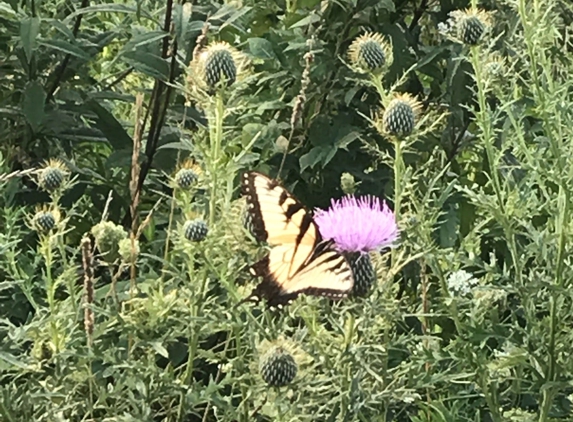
(261, 48)
(148, 63)
(112, 8)
(387, 5)
(66, 47)
(309, 20)
(29, 30)
(8, 361)
(110, 127)
(33, 104)
(182, 21)
(312, 158)
(143, 39)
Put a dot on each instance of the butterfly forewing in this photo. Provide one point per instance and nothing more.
(298, 261)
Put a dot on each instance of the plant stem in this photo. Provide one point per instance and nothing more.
(216, 139)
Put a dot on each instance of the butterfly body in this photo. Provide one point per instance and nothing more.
(299, 261)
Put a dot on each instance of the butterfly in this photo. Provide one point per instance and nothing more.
(300, 261)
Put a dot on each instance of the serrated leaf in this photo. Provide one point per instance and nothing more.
(148, 63)
(33, 104)
(261, 48)
(8, 361)
(182, 21)
(110, 127)
(309, 20)
(65, 47)
(29, 30)
(143, 39)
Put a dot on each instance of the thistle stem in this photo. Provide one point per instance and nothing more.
(216, 139)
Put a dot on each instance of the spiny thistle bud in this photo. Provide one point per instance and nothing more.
(188, 174)
(278, 367)
(400, 117)
(53, 175)
(471, 25)
(217, 66)
(347, 183)
(363, 272)
(124, 247)
(107, 237)
(370, 53)
(195, 230)
(44, 221)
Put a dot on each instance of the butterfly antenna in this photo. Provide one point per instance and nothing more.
(298, 105)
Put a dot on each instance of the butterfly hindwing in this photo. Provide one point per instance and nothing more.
(299, 262)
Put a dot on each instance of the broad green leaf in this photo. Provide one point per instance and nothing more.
(149, 64)
(261, 48)
(110, 127)
(143, 39)
(181, 21)
(33, 104)
(312, 158)
(112, 8)
(309, 20)
(7, 10)
(65, 47)
(29, 30)
(387, 5)
(239, 13)
(62, 29)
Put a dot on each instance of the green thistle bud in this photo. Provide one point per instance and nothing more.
(278, 367)
(52, 176)
(187, 174)
(44, 221)
(217, 66)
(399, 118)
(185, 178)
(347, 183)
(471, 25)
(195, 230)
(363, 272)
(471, 30)
(124, 247)
(220, 68)
(370, 53)
(107, 238)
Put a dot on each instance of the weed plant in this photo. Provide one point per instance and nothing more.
(121, 267)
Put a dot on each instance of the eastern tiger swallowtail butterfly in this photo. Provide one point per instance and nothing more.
(299, 261)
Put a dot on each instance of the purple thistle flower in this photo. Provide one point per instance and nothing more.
(358, 225)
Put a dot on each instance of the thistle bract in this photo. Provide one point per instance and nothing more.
(44, 221)
(399, 118)
(52, 176)
(278, 367)
(370, 53)
(195, 230)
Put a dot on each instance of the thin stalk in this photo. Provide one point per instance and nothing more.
(484, 123)
(216, 139)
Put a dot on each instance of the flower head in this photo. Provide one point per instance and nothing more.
(358, 225)
(217, 66)
(187, 174)
(53, 175)
(468, 26)
(400, 116)
(370, 53)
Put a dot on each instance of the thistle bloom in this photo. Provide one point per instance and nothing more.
(358, 225)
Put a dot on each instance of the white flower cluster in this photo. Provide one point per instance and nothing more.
(461, 283)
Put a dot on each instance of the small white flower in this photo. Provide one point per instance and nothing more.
(460, 283)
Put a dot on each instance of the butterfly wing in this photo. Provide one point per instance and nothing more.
(299, 262)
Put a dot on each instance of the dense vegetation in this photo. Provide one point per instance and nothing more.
(125, 128)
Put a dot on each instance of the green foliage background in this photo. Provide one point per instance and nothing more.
(484, 185)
